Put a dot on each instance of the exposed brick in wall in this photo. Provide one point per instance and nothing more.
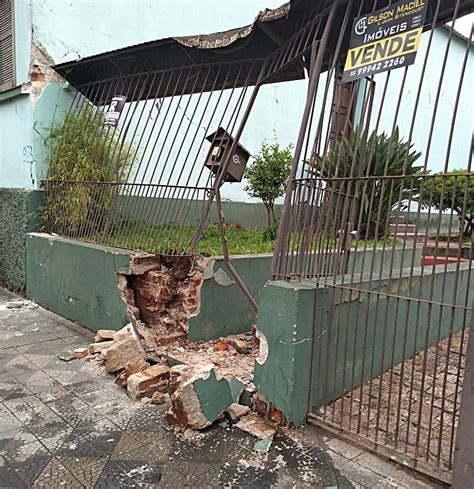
(162, 293)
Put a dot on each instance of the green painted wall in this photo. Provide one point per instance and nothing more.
(18, 216)
(377, 331)
(285, 320)
(356, 337)
(77, 280)
(224, 308)
(154, 211)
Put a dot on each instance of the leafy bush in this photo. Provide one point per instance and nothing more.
(271, 233)
(268, 175)
(82, 149)
(458, 187)
(381, 155)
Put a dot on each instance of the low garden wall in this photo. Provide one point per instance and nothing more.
(362, 332)
(248, 215)
(252, 215)
(18, 216)
(78, 280)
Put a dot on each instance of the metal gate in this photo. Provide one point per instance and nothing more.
(377, 218)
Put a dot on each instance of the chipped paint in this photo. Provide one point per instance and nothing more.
(222, 278)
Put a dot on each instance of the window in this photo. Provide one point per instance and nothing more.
(7, 46)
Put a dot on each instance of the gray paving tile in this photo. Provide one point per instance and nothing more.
(8, 476)
(85, 469)
(66, 425)
(56, 476)
(129, 473)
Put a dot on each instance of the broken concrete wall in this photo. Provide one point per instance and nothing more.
(344, 342)
(51, 98)
(162, 293)
(79, 281)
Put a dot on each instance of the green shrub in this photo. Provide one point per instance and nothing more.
(267, 176)
(82, 149)
(451, 191)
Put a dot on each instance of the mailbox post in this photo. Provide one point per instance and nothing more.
(222, 143)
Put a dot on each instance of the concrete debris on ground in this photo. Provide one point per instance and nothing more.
(200, 383)
(121, 354)
(66, 356)
(104, 335)
(98, 347)
(18, 304)
(148, 381)
(255, 425)
(236, 411)
(263, 445)
(200, 394)
(154, 357)
(134, 368)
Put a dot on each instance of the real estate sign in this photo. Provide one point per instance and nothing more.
(385, 39)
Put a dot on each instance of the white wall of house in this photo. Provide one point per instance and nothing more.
(68, 30)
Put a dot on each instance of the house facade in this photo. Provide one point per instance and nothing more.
(40, 34)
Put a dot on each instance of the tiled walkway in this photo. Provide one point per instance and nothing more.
(66, 425)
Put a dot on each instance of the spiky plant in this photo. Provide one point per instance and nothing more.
(368, 203)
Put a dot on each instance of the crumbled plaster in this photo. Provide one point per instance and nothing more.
(262, 347)
(162, 293)
(222, 278)
(41, 73)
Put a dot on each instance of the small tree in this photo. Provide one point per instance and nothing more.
(268, 175)
(458, 188)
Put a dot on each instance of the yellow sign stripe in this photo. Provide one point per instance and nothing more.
(390, 47)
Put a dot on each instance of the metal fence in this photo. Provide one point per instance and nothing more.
(157, 154)
(392, 298)
(173, 147)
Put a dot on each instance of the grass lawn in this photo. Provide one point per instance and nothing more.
(156, 239)
(160, 239)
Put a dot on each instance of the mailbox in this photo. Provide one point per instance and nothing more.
(221, 144)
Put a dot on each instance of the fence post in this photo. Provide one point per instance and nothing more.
(463, 472)
(312, 87)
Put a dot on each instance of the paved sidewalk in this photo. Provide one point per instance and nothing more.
(66, 425)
